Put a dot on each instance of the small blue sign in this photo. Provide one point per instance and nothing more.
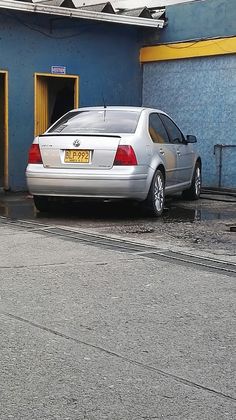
(58, 69)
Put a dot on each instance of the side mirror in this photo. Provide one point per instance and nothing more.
(191, 139)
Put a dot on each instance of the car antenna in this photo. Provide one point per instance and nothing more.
(103, 100)
(104, 105)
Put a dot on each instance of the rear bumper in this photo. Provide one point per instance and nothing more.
(112, 185)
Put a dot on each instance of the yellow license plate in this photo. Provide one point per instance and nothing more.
(77, 156)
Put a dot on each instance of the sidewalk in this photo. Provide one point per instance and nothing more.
(89, 332)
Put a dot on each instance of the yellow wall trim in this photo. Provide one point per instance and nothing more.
(6, 134)
(41, 98)
(217, 46)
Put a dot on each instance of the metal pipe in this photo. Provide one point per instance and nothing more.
(221, 147)
(220, 167)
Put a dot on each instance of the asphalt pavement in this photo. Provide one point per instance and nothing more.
(98, 329)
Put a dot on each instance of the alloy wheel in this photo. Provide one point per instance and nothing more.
(159, 193)
(197, 181)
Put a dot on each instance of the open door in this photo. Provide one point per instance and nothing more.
(4, 130)
(54, 96)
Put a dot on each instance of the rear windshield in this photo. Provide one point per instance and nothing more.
(97, 121)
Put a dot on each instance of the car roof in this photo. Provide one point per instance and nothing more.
(118, 108)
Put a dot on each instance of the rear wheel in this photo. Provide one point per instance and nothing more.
(156, 196)
(193, 193)
(41, 203)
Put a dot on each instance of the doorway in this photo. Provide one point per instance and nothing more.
(4, 130)
(54, 96)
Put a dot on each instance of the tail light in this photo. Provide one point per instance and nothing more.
(34, 154)
(125, 156)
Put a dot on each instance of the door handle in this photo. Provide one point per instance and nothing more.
(162, 152)
(178, 153)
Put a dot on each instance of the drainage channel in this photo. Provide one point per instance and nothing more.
(122, 245)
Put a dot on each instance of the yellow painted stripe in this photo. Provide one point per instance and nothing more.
(180, 50)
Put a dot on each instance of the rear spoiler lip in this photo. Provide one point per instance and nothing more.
(80, 135)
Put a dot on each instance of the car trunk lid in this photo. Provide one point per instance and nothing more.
(77, 152)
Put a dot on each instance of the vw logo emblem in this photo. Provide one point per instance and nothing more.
(76, 143)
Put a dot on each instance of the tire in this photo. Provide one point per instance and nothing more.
(41, 203)
(156, 196)
(193, 193)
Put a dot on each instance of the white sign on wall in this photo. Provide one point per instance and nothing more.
(58, 69)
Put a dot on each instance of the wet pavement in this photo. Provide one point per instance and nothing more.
(203, 224)
(21, 205)
(97, 327)
(95, 331)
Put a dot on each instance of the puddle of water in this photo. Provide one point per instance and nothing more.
(24, 209)
(18, 210)
(184, 215)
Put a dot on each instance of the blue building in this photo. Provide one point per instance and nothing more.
(54, 50)
(55, 57)
(189, 71)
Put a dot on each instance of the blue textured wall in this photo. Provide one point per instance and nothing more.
(200, 94)
(104, 56)
(198, 19)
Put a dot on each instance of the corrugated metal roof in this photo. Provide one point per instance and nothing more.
(158, 13)
(100, 7)
(56, 3)
(101, 11)
(139, 12)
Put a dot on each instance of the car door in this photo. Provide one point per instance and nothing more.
(183, 150)
(163, 147)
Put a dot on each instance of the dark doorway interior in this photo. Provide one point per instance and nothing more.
(60, 97)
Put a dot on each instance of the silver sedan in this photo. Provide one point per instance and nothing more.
(133, 153)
